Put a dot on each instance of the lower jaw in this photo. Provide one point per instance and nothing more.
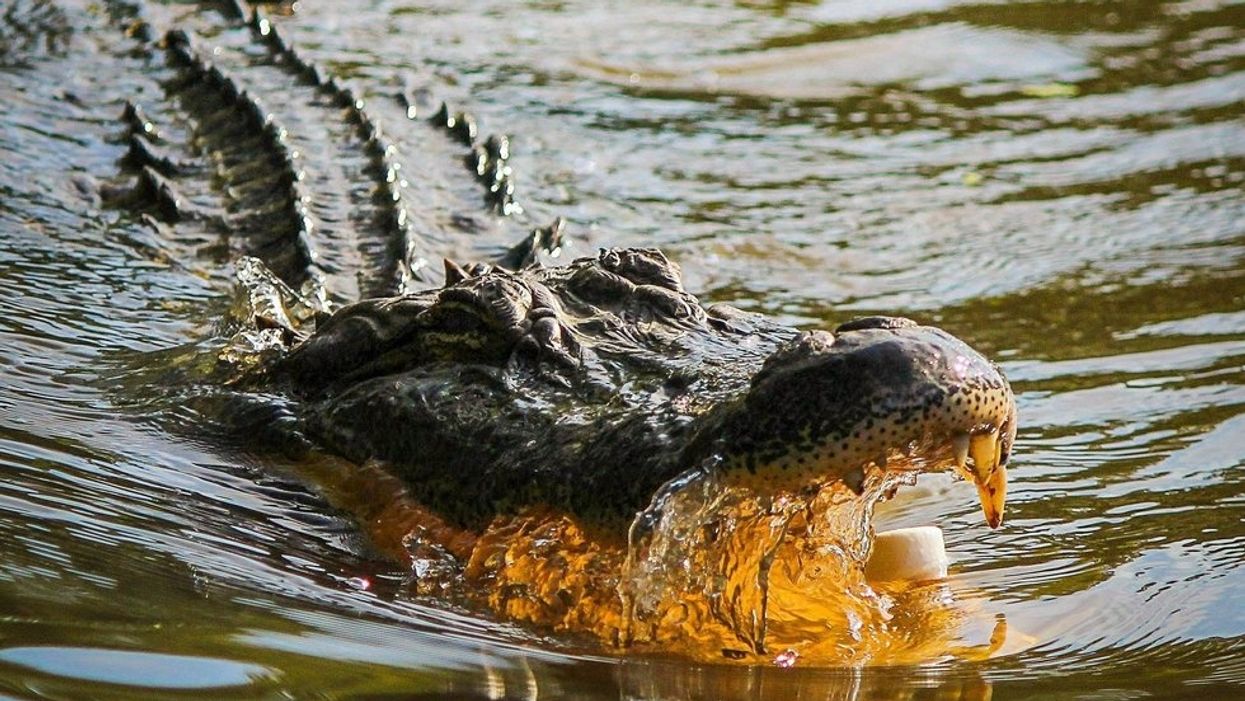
(719, 574)
(723, 574)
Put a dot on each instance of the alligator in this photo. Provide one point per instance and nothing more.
(504, 389)
(587, 387)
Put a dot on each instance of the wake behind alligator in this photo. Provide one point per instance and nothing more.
(584, 447)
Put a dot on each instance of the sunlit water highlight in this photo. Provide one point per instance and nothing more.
(1067, 198)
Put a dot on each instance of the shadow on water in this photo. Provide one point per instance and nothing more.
(1058, 183)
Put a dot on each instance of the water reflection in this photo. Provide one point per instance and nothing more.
(141, 669)
(922, 59)
(519, 678)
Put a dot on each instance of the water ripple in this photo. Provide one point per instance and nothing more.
(1059, 183)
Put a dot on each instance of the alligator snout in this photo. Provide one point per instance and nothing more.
(840, 406)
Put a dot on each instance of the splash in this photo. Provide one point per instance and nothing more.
(728, 573)
(708, 571)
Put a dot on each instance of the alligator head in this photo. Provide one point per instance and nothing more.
(834, 405)
(587, 387)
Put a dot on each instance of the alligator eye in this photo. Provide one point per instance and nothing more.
(462, 323)
(457, 316)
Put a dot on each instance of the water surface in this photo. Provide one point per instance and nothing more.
(1058, 183)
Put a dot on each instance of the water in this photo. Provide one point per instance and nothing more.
(1059, 184)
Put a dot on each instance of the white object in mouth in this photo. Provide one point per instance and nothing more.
(908, 554)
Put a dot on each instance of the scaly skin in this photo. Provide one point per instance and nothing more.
(587, 387)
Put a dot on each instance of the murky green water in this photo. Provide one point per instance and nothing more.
(1058, 183)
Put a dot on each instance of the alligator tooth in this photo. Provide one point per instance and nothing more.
(989, 476)
(478, 160)
(993, 495)
(417, 265)
(959, 449)
(984, 448)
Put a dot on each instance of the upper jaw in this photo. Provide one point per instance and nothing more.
(875, 388)
(978, 413)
